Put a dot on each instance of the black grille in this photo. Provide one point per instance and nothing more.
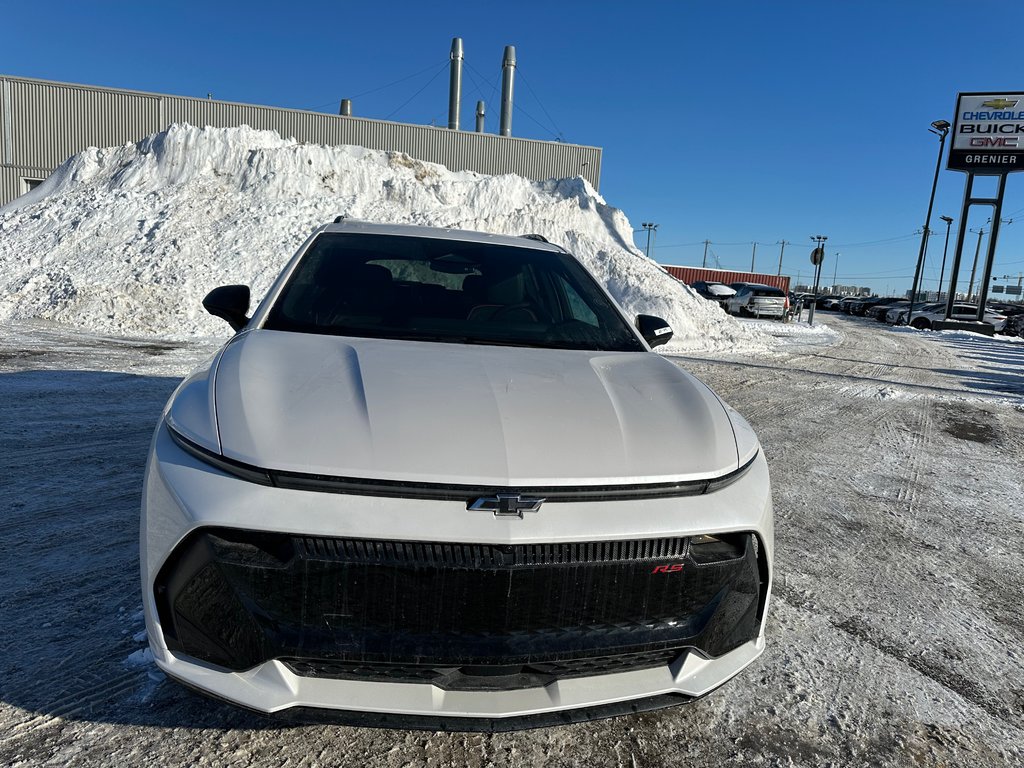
(487, 556)
(490, 677)
(377, 609)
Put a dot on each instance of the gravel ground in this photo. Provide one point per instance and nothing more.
(896, 629)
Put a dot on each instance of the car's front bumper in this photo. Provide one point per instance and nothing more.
(183, 495)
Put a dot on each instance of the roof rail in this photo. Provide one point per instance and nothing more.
(339, 219)
(535, 236)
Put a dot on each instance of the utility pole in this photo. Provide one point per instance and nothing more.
(649, 226)
(834, 271)
(752, 255)
(704, 264)
(782, 250)
(970, 285)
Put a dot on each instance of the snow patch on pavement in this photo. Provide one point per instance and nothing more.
(140, 658)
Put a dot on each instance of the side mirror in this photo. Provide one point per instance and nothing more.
(654, 330)
(230, 302)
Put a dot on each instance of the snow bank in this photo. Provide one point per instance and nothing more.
(127, 240)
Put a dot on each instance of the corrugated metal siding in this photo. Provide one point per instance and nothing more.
(51, 121)
(6, 126)
(693, 274)
(10, 184)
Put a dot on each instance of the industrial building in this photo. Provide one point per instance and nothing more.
(43, 123)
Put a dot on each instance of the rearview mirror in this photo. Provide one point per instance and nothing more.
(230, 302)
(654, 330)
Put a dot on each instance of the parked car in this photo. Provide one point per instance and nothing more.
(898, 314)
(714, 291)
(882, 312)
(879, 307)
(798, 299)
(846, 305)
(861, 307)
(439, 479)
(755, 300)
(1014, 325)
(963, 312)
(867, 305)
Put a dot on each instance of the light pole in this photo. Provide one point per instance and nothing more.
(649, 227)
(752, 255)
(942, 272)
(834, 271)
(940, 128)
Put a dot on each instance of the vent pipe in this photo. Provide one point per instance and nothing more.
(346, 108)
(508, 75)
(480, 110)
(455, 84)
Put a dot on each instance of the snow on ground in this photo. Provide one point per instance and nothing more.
(794, 334)
(894, 634)
(895, 630)
(127, 240)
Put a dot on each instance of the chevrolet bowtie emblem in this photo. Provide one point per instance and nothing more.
(505, 504)
(1000, 103)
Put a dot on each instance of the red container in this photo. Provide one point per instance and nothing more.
(693, 274)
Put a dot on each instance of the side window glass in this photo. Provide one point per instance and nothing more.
(578, 309)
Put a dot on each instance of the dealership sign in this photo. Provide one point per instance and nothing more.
(988, 133)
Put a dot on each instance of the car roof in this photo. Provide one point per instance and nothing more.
(440, 233)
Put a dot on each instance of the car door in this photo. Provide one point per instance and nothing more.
(739, 300)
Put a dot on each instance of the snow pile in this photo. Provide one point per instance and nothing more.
(127, 240)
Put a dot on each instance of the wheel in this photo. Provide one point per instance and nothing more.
(921, 323)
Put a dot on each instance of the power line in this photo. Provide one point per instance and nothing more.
(558, 131)
(898, 238)
(494, 86)
(380, 88)
(421, 90)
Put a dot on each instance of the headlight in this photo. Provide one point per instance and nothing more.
(226, 465)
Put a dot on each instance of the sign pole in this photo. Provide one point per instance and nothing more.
(817, 258)
(986, 141)
(991, 255)
(961, 235)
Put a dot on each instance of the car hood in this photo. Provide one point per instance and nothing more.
(466, 414)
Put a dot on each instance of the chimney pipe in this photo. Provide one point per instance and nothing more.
(455, 84)
(346, 108)
(480, 111)
(508, 75)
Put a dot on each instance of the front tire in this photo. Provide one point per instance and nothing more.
(921, 323)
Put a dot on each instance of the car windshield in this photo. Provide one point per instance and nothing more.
(433, 289)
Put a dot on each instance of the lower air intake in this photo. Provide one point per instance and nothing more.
(467, 615)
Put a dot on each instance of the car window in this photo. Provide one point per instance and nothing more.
(435, 289)
(577, 307)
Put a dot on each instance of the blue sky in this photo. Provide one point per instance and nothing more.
(738, 123)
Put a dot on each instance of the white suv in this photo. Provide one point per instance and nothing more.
(961, 312)
(755, 300)
(440, 480)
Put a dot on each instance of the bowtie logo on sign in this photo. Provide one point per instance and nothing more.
(999, 103)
